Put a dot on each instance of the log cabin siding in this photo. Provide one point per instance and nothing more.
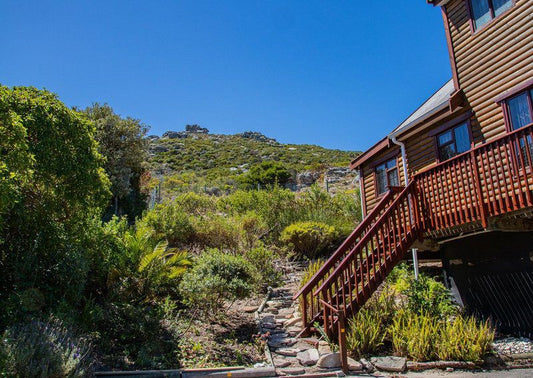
(491, 60)
(370, 196)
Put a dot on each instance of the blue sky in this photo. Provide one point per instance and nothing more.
(336, 73)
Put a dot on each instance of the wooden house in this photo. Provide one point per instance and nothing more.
(455, 179)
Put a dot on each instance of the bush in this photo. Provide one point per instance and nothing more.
(464, 339)
(170, 222)
(44, 349)
(308, 239)
(368, 328)
(366, 333)
(265, 174)
(262, 260)
(413, 334)
(217, 231)
(216, 277)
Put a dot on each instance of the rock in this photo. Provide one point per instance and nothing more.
(292, 322)
(333, 361)
(281, 363)
(268, 325)
(324, 348)
(367, 365)
(289, 352)
(255, 136)
(286, 311)
(308, 357)
(307, 178)
(293, 371)
(275, 304)
(390, 363)
(175, 135)
(196, 129)
(250, 308)
(293, 331)
(158, 148)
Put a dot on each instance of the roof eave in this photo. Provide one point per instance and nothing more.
(437, 3)
(368, 154)
(419, 120)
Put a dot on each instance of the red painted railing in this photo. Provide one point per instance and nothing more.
(310, 304)
(490, 180)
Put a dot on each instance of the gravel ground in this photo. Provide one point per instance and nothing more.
(513, 345)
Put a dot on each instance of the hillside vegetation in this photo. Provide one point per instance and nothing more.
(197, 157)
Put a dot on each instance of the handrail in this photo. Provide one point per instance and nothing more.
(350, 239)
(475, 149)
(363, 240)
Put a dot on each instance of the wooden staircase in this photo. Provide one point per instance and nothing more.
(491, 180)
(362, 262)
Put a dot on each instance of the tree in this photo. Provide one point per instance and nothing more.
(267, 173)
(122, 143)
(52, 185)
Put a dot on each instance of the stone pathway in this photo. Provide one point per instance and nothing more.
(281, 321)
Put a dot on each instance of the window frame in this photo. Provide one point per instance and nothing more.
(507, 111)
(382, 161)
(493, 17)
(503, 99)
(464, 119)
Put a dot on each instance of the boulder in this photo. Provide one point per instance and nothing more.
(196, 129)
(308, 357)
(390, 363)
(324, 348)
(307, 178)
(333, 361)
(281, 363)
(250, 308)
(289, 352)
(175, 135)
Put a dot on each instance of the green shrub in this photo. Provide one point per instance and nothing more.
(366, 333)
(215, 278)
(170, 222)
(368, 329)
(413, 335)
(263, 259)
(464, 339)
(217, 231)
(253, 228)
(265, 174)
(308, 239)
(160, 270)
(424, 295)
(44, 349)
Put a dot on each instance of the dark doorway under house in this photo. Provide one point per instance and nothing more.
(492, 275)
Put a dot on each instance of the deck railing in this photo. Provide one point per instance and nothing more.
(490, 180)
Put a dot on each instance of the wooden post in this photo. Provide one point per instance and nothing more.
(342, 342)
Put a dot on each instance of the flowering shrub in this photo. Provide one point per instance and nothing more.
(44, 349)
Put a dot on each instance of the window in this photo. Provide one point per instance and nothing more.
(453, 141)
(483, 11)
(520, 114)
(386, 176)
(520, 110)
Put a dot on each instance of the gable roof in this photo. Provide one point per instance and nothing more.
(438, 101)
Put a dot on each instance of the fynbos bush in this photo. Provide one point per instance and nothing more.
(308, 239)
(44, 349)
